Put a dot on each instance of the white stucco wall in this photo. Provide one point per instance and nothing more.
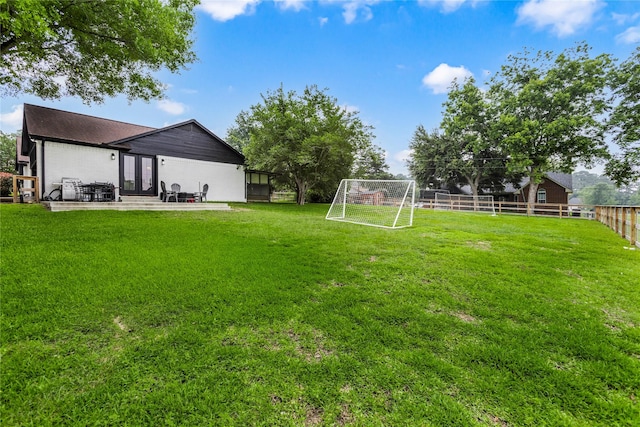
(89, 164)
(226, 181)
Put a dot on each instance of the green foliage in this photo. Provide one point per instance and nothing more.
(271, 315)
(474, 156)
(238, 135)
(429, 158)
(594, 189)
(548, 107)
(624, 167)
(370, 163)
(92, 49)
(582, 179)
(8, 152)
(307, 140)
(599, 194)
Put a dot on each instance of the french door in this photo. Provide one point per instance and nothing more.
(137, 175)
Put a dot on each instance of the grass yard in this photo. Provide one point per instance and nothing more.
(271, 315)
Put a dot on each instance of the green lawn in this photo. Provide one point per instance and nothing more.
(271, 315)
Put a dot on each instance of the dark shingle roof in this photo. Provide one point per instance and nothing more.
(563, 179)
(52, 124)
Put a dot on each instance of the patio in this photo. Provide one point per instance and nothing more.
(133, 203)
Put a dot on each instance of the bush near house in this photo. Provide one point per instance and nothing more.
(6, 184)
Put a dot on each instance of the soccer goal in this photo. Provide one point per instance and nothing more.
(463, 202)
(379, 203)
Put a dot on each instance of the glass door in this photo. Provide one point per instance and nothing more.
(137, 175)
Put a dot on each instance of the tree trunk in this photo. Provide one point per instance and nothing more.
(531, 198)
(474, 183)
(301, 190)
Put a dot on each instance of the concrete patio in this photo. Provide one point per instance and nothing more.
(134, 203)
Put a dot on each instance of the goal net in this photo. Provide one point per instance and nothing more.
(379, 203)
(463, 202)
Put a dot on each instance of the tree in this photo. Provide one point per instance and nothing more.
(599, 194)
(8, 152)
(308, 141)
(586, 183)
(624, 122)
(473, 154)
(92, 48)
(465, 150)
(429, 158)
(583, 179)
(238, 135)
(370, 163)
(548, 111)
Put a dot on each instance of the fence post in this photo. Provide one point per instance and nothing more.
(634, 225)
(612, 220)
(619, 221)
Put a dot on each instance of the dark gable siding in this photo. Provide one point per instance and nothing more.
(555, 193)
(188, 141)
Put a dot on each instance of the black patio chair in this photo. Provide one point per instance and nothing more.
(167, 194)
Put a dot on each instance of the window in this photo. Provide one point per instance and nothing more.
(542, 196)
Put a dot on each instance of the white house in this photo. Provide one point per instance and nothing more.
(56, 144)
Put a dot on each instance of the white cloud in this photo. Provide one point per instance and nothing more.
(323, 21)
(351, 10)
(403, 156)
(398, 161)
(296, 5)
(446, 6)
(564, 17)
(629, 36)
(354, 9)
(443, 75)
(622, 18)
(171, 107)
(12, 121)
(225, 10)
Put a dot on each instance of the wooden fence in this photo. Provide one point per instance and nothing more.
(624, 220)
(283, 196)
(520, 208)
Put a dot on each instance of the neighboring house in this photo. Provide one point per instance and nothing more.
(57, 144)
(366, 197)
(555, 188)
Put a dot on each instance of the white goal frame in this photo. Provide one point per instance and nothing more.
(382, 203)
(464, 202)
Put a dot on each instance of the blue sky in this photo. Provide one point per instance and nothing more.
(390, 60)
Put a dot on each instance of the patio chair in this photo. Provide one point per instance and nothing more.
(175, 188)
(166, 195)
(202, 195)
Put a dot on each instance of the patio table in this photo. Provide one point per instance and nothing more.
(97, 192)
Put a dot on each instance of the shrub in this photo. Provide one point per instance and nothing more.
(6, 183)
